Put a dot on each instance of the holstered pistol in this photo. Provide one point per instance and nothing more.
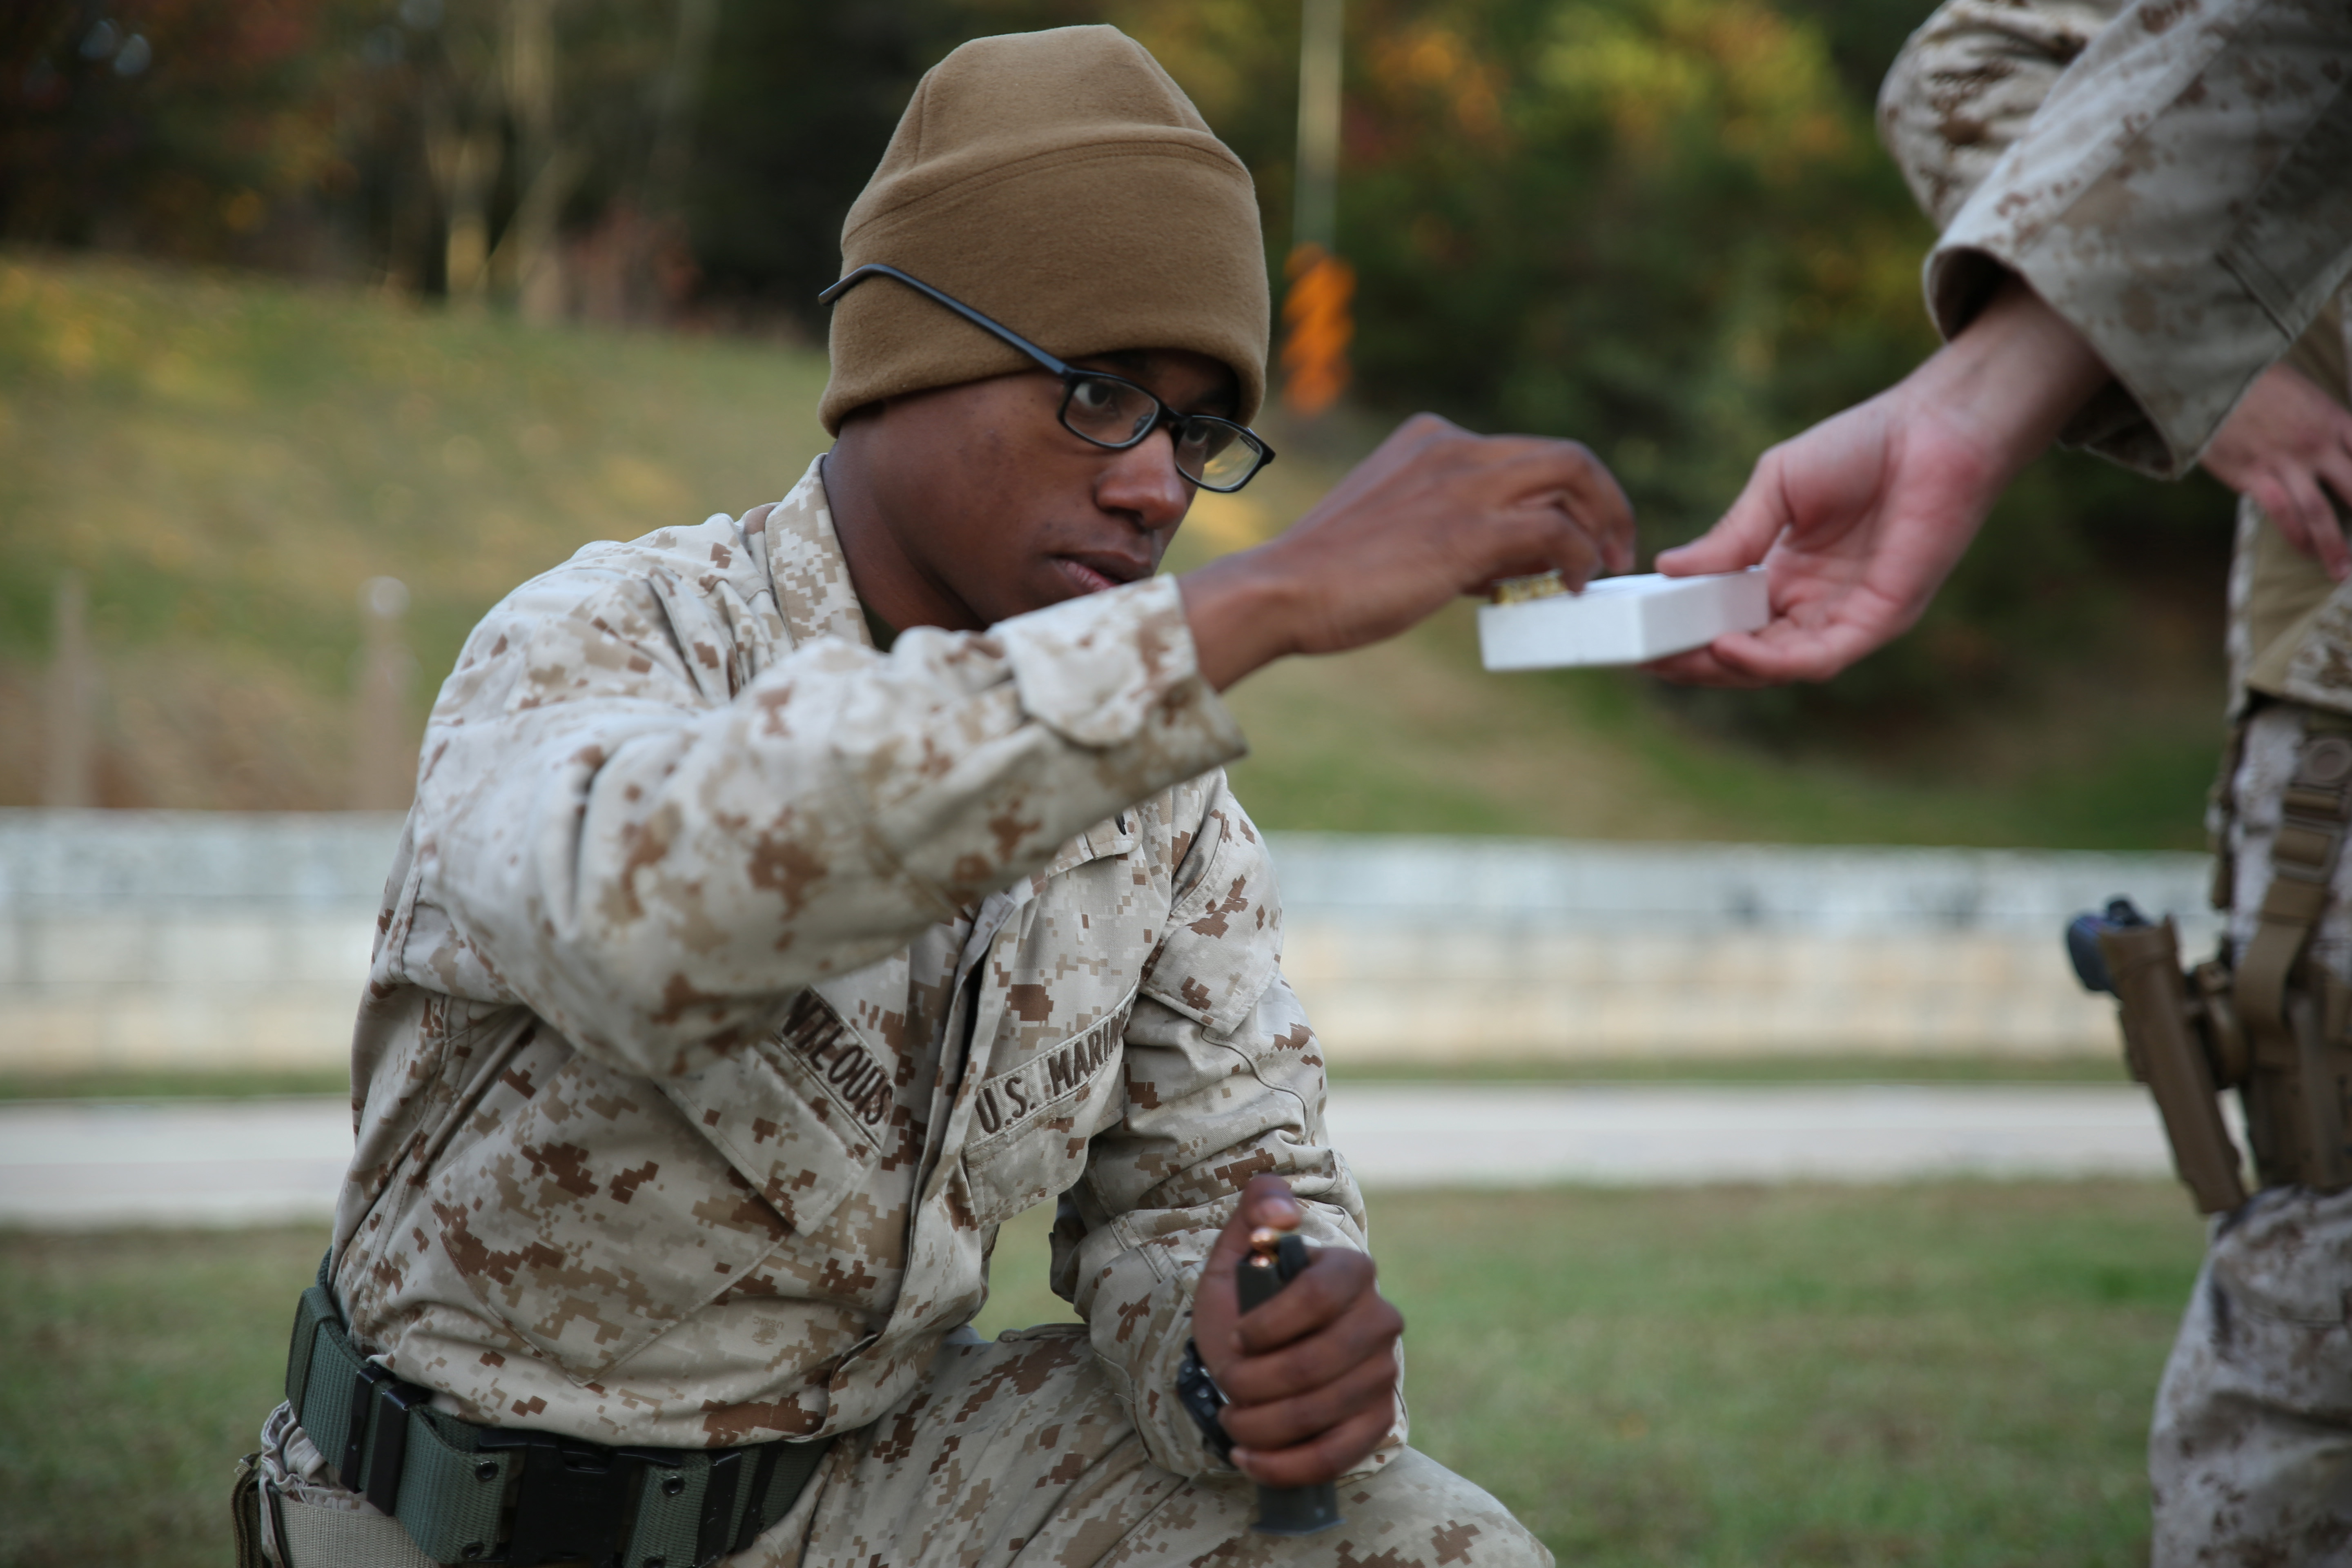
(2164, 1044)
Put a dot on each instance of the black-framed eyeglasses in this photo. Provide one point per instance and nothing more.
(1110, 410)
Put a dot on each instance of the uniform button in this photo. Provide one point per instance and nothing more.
(2327, 760)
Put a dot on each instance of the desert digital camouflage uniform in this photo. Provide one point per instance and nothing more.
(2179, 198)
(735, 982)
(2251, 1454)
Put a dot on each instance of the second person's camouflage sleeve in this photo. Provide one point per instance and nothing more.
(2181, 200)
(1969, 81)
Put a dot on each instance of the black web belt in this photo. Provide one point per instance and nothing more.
(495, 1494)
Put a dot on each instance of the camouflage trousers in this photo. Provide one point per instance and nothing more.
(2250, 1457)
(2251, 1454)
(1017, 1454)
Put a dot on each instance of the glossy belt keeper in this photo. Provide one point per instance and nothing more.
(495, 1494)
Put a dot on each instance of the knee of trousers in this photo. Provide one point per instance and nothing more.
(1425, 1514)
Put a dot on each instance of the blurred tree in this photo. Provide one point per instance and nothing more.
(171, 126)
(442, 147)
(532, 151)
(801, 101)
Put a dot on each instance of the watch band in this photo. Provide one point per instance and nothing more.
(1203, 1401)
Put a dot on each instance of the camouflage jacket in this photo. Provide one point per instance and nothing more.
(735, 980)
(1964, 90)
(2179, 196)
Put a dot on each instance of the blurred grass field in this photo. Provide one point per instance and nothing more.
(1952, 1375)
(226, 460)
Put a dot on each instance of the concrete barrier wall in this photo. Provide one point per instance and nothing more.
(202, 940)
(185, 939)
(1437, 949)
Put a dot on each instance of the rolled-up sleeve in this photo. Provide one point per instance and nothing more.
(2181, 199)
(656, 871)
(1969, 81)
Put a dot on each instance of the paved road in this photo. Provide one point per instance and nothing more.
(84, 1165)
(89, 1164)
(1405, 1135)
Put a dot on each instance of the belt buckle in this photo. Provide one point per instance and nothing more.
(2330, 832)
(375, 1439)
(568, 1504)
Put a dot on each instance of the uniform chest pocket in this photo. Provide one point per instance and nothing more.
(1031, 1124)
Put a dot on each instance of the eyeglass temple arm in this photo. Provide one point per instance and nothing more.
(875, 269)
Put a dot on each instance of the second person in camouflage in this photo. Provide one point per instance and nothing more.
(2253, 1419)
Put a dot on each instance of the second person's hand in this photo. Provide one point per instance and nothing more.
(2285, 446)
(1859, 519)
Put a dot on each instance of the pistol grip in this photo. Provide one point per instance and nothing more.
(1257, 1281)
(1284, 1510)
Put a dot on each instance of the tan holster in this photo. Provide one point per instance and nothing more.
(2169, 1024)
(2274, 1026)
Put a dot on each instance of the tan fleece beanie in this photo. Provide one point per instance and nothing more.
(1062, 183)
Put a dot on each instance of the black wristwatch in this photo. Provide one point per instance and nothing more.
(1203, 1400)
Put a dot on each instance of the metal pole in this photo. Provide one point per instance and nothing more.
(69, 781)
(1316, 200)
(1316, 322)
(384, 752)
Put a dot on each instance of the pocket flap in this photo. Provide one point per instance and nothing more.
(1031, 1124)
(1111, 836)
(802, 1143)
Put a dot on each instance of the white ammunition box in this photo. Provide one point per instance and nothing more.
(1621, 620)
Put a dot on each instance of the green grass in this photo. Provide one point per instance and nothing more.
(226, 460)
(1940, 1374)
(138, 1367)
(1946, 1374)
(181, 1083)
